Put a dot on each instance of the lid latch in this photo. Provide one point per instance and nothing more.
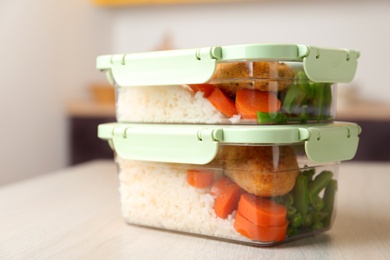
(327, 144)
(330, 65)
(165, 67)
(179, 145)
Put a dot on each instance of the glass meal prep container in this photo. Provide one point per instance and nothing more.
(257, 185)
(240, 84)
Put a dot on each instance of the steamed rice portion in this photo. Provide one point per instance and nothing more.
(157, 195)
(161, 104)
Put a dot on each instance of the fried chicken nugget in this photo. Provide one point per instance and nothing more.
(261, 75)
(261, 170)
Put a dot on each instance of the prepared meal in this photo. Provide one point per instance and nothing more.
(258, 185)
(243, 84)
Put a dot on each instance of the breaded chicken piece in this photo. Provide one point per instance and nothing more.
(261, 75)
(261, 170)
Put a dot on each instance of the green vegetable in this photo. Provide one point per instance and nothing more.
(303, 115)
(296, 98)
(306, 101)
(301, 76)
(309, 174)
(317, 225)
(308, 220)
(317, 203)
(292, 99)
(319, 183)
(291, 231)
(296, 220)
(291, 211)
(288, 198)
(322, 100)
(318, 216)
(271, 118)
(304, 83)
(329, 197)
(306, 210)
(301, 195)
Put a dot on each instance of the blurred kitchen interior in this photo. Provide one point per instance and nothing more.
(48, 51)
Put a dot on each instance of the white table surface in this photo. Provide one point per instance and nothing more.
(75, 214)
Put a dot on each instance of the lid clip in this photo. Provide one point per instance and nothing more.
(209, 53)
(161, 68)
(330, 65)
(327, 144)
(160, 144)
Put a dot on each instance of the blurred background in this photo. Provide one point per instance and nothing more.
(49, 107)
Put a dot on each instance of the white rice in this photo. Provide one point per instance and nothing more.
(162, 104)
(157, 195)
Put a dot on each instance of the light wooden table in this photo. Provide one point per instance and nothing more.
(75, 214)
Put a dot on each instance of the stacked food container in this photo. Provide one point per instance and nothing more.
(236, 142)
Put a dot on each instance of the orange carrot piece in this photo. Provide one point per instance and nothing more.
(207, 89)
(258, 232)
(251, 101)
(200, 178)
(222, 102)
(261, 211)
(219, 185)
(227, 200)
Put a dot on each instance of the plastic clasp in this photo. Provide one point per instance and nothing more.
(179, 145)
(330, 65)
(329, 144)
(165, 67)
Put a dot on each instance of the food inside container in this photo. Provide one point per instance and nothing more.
(243, 188)
(220, 201)
(245, 84)
(228, 99)
(192, 157)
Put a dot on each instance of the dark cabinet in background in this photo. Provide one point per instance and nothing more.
(84, 143)
(374, 143)
(83, 120)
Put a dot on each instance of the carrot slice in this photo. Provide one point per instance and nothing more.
(251, 101)
(227, 200)
(219, 185)
(207, 89)
(222, 102)
(261, 211)
(200, 178)
(258, 232)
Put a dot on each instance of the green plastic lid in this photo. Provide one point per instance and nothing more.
(191, 66)
(198, 144)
